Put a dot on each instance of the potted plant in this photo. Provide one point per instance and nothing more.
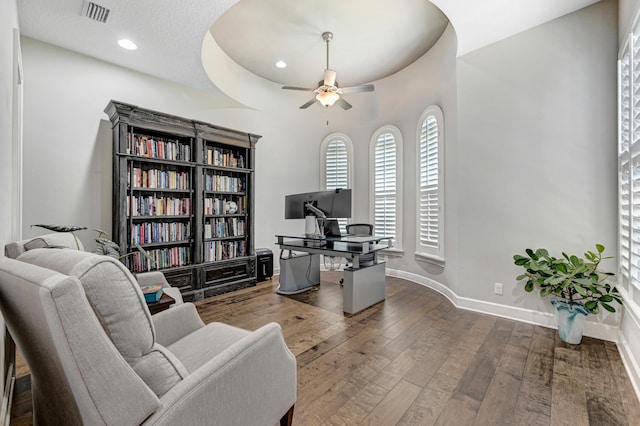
(576, 286)
(104, 246)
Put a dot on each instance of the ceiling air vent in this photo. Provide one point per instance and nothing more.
(95, 12)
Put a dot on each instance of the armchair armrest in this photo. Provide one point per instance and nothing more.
(173, 324)
(152, 277)
(251, 382)
(157, 277)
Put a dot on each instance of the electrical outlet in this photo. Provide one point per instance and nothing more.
(497, 289)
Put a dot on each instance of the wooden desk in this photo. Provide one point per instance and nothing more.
(162, 304)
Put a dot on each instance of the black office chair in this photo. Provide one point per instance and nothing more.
(363, 230)
(360, 229)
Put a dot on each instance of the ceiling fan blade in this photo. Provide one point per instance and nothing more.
(308, 104)
(354, 89)
(344, 104)
(305, 89)
(329, 77)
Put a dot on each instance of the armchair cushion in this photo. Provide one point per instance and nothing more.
(173, 324)
(121, 309)
(197, 348)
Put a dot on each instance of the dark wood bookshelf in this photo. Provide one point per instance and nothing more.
(141, 137)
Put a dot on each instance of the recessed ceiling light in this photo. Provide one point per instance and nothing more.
(281, 64)
(127, 44)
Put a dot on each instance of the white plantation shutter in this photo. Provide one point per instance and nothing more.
(336, 164)
(429, 230)
(624, 166)
(634, 151)
(430, 187)
(629, 162)
(385, 186)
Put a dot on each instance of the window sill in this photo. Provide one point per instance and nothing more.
(430, 258)
(392, 252)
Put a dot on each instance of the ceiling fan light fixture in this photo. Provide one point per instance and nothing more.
(327, 99)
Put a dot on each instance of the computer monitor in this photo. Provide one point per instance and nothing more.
(335, 203)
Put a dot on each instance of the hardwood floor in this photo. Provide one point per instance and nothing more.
(414, 359)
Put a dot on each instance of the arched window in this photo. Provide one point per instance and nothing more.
(386, 183)
(430, 196)
(336, 164)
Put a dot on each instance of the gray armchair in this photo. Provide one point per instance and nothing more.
(97, 356)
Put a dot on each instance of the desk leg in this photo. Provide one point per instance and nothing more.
(299, 273)
(363, 287)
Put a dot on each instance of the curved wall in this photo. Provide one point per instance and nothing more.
(529, 151)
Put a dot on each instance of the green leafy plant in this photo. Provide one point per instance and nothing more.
(104, 246)
(64, 228)
(572, 278)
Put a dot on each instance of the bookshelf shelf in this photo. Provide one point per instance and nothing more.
(226, 169)
(166, 243)
(164, 164)
(233, 237)
(152, 160)
(161, 217)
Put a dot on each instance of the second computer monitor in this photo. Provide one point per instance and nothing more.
(335, 203)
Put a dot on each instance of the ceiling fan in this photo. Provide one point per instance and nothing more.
(328, 92)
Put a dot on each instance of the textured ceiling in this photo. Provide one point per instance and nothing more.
(173, 35)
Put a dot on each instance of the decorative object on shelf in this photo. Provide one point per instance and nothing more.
(232, 207)
(575, 284)
(328, 92)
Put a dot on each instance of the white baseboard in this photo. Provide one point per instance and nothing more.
(630, 364)
(591, 329)
(545, 319)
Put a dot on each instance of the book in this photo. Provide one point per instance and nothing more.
(152, 292)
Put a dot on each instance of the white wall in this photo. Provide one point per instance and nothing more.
(537, 159)
(68, 136)
(8, 21)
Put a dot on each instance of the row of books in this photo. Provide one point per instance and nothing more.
(153, 147)
(213, 182)
(225, 227)
(221, 250)
(161, 259)
(159, 232)
(221, 205)
(150, 205)
(223, 157)
(159, 179)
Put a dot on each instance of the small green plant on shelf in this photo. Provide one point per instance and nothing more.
(574, 279)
